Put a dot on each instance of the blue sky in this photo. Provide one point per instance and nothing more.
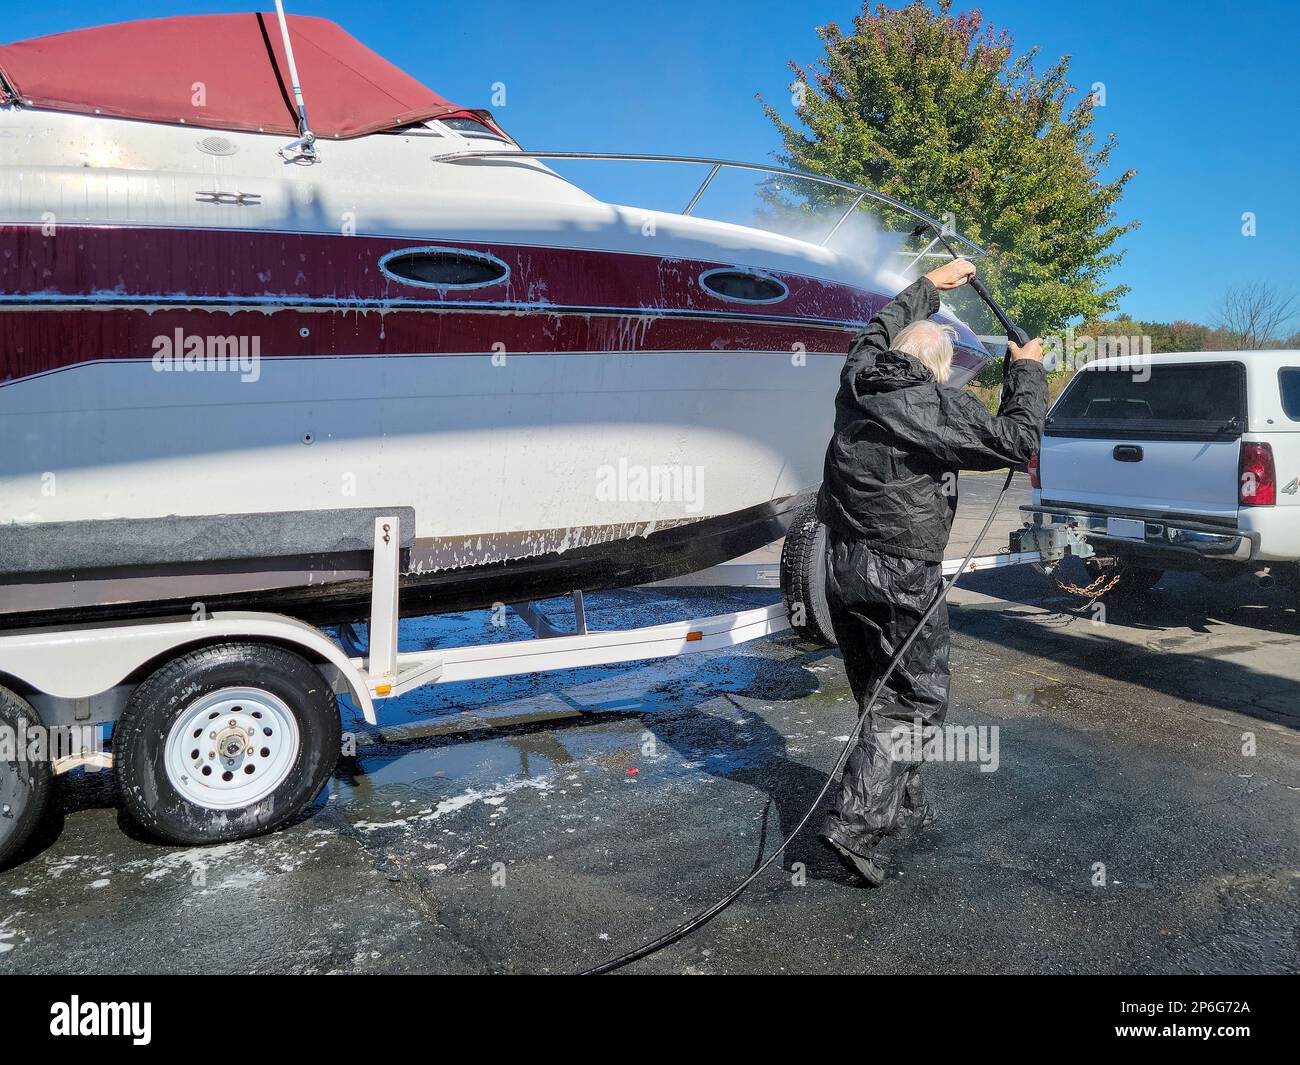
(1201, 96)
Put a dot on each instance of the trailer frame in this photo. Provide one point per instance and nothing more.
(82, 674)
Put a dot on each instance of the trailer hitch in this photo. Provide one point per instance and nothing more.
(1052, 542)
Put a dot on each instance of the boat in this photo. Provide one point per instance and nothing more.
(266, 286)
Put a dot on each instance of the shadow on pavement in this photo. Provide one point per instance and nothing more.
(1184, 606)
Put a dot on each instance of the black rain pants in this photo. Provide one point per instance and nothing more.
(875, 600)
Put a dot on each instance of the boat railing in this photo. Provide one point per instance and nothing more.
(860, 193)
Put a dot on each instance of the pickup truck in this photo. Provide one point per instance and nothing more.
(1179, 461)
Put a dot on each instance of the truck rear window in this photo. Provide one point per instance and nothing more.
(1289, 379)
(1209, 399)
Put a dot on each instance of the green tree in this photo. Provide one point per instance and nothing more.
(933, 109)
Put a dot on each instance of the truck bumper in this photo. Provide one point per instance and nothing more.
(1142, 535)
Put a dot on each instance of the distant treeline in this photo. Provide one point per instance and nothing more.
(1184, 336)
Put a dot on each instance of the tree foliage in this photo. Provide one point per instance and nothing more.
(933, 109)
(1161, 336)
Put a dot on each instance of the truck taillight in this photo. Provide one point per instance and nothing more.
(1258, 479)
(1032, 470)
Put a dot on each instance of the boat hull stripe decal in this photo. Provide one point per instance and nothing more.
(84, 293)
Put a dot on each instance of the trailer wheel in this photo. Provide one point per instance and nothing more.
(226, 742)
(24, 785)
(803, 579)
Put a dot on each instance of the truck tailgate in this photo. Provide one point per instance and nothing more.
(1166, 441)
(1171, 476)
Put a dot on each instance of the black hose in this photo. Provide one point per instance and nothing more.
(704, 916)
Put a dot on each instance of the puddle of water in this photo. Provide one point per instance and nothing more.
(625, 720)
(625, 687)
(670, 737)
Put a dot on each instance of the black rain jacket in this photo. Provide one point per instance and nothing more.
(900, 437)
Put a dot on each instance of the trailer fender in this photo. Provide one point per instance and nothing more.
(81, 662)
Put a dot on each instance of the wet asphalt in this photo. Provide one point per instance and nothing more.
(1143, 816)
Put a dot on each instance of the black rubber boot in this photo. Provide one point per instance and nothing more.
(914, 812)
(869, 870)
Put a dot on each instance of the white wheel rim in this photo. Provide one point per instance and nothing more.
(232, 748)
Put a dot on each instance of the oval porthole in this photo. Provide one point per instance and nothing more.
(444, 267)
(744, 286)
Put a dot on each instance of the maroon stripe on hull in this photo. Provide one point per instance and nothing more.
(563, 300)
(129, 262)
(33, 342)
(39, 341)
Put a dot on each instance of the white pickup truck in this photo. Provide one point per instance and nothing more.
(1183, 461)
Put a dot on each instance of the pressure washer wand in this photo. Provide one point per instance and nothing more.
(1014, 332)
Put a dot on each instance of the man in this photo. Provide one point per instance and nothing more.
(887, 499)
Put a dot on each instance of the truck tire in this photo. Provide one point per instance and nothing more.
(803, 580)
(1134, 581)
(226, 742)
(24, 785)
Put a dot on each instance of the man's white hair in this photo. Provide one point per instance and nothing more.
(930, 344)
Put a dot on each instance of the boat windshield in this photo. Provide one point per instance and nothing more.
(891, 241)
(809, 207)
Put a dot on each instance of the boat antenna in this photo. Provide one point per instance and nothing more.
(304, 148)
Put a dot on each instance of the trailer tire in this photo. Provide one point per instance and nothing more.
(226, 742)
(24, 785)
(803, 579)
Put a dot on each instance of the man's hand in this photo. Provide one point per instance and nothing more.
(953, 275)
(1033, 351)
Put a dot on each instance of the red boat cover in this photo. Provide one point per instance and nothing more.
(221, 72)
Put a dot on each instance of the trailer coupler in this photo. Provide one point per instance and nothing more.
(1052, 543)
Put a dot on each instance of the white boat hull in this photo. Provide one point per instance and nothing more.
(566, 440)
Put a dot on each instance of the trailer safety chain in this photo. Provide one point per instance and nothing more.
(1102, 585)
(1092, 591)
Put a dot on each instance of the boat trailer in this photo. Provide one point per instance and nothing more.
(76, 679)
